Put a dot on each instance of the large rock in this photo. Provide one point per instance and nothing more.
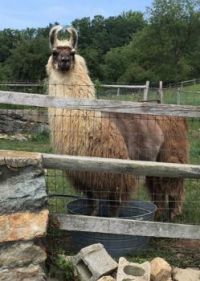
(23, 121)
(21, 254)
(187, 274)
(22, 189)
(160, 270)
(23, 226)
(29, 273)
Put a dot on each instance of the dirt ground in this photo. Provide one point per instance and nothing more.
(181, 253)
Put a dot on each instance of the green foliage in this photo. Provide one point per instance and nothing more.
(27, 58)
(40, 137)
(166, 49)
(63, 269)
(23, 54)
(99, 35)
(37, 143)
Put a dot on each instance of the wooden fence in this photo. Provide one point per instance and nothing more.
(17, 98)
(110, 225)
(145, 88)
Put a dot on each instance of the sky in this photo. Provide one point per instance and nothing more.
(20, 14)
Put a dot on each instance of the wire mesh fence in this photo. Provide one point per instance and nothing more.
(108, 135)
(186, 95)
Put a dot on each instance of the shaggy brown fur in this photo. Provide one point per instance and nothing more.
(84, 133)
(174, 150)
(122, 136)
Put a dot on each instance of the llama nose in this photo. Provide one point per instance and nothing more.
(63, 59)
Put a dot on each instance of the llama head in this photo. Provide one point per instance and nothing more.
(63, 51)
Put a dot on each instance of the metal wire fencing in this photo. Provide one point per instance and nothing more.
(109, 135)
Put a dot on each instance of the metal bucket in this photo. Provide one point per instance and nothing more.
(116, 245)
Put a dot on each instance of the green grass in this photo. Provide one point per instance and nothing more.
(191, 207)
(37, 143)
(61, 187)
(126, 95)
(177, 253)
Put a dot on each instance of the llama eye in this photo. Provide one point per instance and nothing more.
(55, 53)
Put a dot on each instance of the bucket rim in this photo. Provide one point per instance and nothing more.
(126, 205)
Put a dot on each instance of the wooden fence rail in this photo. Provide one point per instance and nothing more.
(27, 99)
(145, 88)
(96, 164)
(22, 84)
(127, 226)
(124, 86)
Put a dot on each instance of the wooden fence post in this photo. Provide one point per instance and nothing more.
(146, 90)
(178, 100)
(160, 91)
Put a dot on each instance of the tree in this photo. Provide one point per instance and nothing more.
(166, 48)
(123, 49)
(98, 35)
(27, 61)
(8, 41)
(174, 27)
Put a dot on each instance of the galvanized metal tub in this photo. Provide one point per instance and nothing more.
(116, 245)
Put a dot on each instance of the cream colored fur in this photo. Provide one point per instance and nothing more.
(122, 136)
(87, 133)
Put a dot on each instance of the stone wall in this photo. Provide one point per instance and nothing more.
(23, 121)
(23, 216)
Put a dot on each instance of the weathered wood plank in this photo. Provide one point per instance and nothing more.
(160, 91)
(99, 105)
(22, 84)
(146, 90)
(127, 227)
(124, 86)
(95, 164)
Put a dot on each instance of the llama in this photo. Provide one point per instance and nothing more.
(97, 134)
(84, 133)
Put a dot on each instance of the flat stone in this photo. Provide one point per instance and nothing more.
(19, 159)
(21, 254)
(22, 189)
(29, 273)
(160, 270)
(188, 274)
(133, 271)
(93, 262)
(23, 121)
(23, 226)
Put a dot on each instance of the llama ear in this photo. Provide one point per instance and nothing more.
(53, 35)
(73, 37)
